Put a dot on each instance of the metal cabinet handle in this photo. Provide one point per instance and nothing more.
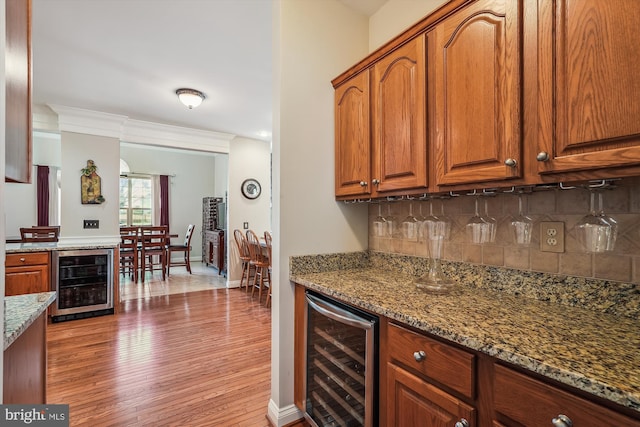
(542, 156)
(23, 259)
(462, 423)
(375, 181)
(511, 163)
(562, 421)
(363, 183)
(419, 355)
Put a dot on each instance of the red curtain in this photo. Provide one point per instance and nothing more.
(43, 195)
(164, 200)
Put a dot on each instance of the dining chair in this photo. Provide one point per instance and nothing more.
(153, 249)
(185, 248)
(129, 252)
(260, 263)
(268, 240)
(245, 258)
(40, 234)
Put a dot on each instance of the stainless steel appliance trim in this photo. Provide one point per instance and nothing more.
(340, 315)
(55, 282)
(337, 313)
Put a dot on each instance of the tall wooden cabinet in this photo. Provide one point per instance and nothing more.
(18, 143)
(589, 90)
(213, 234)
(474, 84)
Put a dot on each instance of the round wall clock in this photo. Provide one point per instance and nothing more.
(251, 188)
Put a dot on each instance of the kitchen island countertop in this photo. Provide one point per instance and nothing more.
(592, 351)
(21, 311)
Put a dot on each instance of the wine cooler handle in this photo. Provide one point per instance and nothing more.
(336, 313)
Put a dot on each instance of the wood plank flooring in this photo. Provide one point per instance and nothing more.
(192, 359)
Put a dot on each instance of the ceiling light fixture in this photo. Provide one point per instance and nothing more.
(190, 97)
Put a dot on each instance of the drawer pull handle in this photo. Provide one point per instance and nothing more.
(462, 423)
(562, 421)
(419, 355)
(363, 183)
(23, 259)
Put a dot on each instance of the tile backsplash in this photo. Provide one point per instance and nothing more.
(622, 202)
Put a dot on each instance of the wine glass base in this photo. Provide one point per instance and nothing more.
(439, 285)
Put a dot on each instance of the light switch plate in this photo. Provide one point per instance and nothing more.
(552, 236)
(91, 223)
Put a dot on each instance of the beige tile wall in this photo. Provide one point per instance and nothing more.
(569, 206)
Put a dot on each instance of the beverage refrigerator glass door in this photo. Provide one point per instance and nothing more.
(84, 283)
(341, 365)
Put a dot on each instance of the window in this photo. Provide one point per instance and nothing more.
(136, 201)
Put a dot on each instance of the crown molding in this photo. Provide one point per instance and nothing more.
(137, 131)
(78, 120)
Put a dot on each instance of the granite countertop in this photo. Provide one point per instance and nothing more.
(591, 350)
(57, 246)
(21, 311)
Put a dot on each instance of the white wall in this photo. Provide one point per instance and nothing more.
(195, 177)
(314, 41)
(395, 16)
(2, 186)
(248, 158)
(77, 148)
(23, 209)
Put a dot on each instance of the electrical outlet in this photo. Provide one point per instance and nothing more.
(552, 236)
(91, 223)
(245, 225)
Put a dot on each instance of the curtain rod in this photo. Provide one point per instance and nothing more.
(125, 174)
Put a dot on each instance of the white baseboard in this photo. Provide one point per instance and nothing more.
(233, 284)
(282, 416)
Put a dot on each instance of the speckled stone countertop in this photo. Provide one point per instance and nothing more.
(56, 246)
(527, 323)
(21, 311)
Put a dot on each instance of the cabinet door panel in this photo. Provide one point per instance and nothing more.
(27, 280)
(399, 123)
(414, 402)
(352, 138)
(475, 82)
(589, 95)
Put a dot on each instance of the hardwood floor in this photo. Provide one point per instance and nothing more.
(191, 359)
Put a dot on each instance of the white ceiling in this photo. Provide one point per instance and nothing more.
(128, 57)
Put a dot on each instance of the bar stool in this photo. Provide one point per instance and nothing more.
(267, 241)
(259, 262)
(245, 257)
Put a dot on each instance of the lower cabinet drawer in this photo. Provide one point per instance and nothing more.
(443, 363)
(26, 258)
(530, 402)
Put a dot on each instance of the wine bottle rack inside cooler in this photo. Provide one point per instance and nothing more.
(341, 367)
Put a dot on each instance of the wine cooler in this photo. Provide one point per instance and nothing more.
(341, 364)
(84, 283)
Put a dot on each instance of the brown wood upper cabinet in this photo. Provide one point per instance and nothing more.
(352, 137)
(474, 85)
(380, 126)
(399, 160)
(589, 90)
(18, 91)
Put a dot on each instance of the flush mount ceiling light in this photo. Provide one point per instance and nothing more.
(190, 97)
